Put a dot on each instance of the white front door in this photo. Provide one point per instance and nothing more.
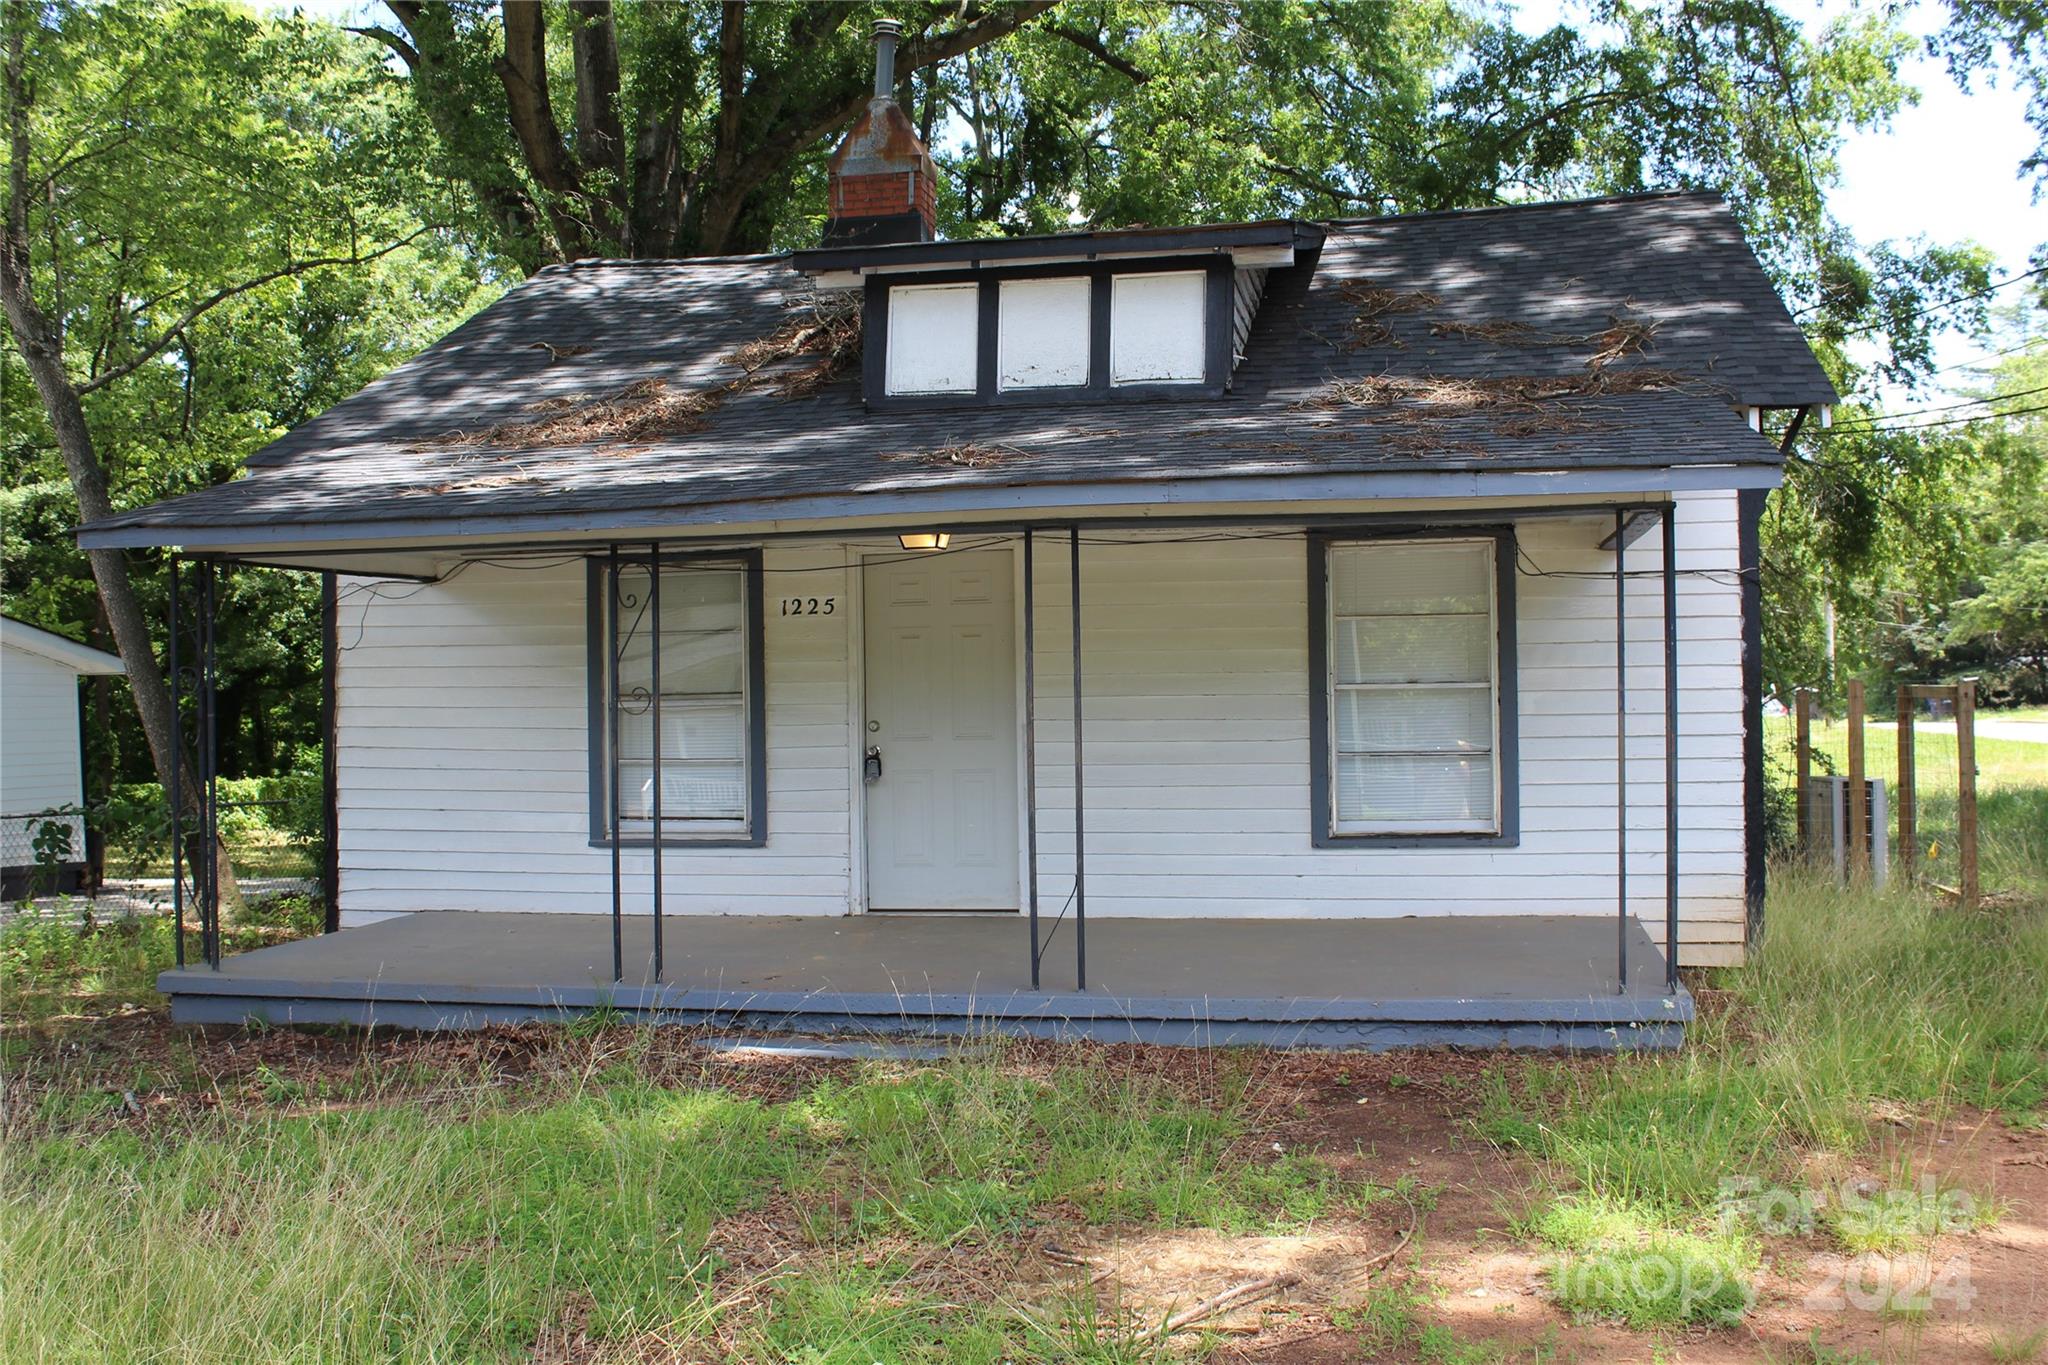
(942, 710)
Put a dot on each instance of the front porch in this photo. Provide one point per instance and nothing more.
(1534, 981)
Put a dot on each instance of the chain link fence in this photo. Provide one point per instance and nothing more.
(274, 856)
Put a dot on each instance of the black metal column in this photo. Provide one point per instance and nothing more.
(611, 703)
(654, 714)
(176, 795)
(1670, 751)
(1621, 752)
(209, 760)
(1031, 751)
(330, 752)
(1080, 816)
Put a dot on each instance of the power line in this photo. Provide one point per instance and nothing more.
(1938, 307)
(1879, 422)
(1971, 364)
(1944, 422)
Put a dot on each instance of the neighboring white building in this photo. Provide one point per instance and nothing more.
(41, 746)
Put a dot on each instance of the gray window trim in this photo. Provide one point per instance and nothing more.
(1508, 750)
(599, 729)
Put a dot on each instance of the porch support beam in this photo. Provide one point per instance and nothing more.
(209, 762)
(613, 825)
(1620, 753)
(1031, 751)
(177, 767)
(1080, 804)
(654, 712)
(1670, 750)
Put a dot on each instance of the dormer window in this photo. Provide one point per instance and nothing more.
(1042, 333)
(1156, 332)
(933, 329)
(1088, 330)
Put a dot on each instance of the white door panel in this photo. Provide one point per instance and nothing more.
(941, 706)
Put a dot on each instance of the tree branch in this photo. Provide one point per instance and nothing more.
(407, 53)
(220, 296)
(1096, 48)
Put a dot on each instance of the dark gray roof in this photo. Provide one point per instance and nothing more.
(1411, 304)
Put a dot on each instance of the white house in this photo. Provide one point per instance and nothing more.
(1415, 692)
(42, 769)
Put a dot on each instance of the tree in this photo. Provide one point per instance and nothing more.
(689, 121)
(167, 168)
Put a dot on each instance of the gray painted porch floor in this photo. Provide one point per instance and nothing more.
(1538, 980)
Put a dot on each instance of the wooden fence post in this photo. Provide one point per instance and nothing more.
(1802, 749)
(1905, 797)
(1966, 787)
(1859, 805)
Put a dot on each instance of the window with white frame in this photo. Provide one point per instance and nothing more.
(1413, 691)
(680, 659)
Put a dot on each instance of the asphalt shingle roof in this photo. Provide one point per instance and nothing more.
(1522, 294)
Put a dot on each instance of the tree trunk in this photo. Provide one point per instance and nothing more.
(42, 349)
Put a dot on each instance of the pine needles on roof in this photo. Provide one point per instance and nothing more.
(1622, 337)
(963, 456)
(817, 344)
(1372, 304)
(1416, 414)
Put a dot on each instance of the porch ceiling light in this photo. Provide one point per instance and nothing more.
(925, 540)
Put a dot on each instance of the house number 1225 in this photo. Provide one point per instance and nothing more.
(809, 606)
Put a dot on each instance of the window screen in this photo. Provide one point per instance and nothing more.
(704, 690)
(1413, 692)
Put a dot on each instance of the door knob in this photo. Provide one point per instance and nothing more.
(871, 768)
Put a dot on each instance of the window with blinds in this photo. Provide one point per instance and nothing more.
(1413, 687)
(701, 698)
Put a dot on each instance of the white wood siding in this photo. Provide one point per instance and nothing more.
(39, 759)
(464, 752)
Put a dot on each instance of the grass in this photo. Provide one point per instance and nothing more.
(2012, 798)
(63, 962)
(1614, 1262)
(1857, 999)
(412, 1211)
(394, 1232)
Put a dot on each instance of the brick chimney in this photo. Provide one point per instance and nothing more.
(881, 182)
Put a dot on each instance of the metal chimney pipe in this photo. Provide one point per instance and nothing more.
(887, 31)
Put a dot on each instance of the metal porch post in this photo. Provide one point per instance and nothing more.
(1080, 820)
(611, 706)
(1670, 751)
(1620, 752)
(209, 760)
(177, 791)
(654, 666)
(330, 751)
(1031, 752)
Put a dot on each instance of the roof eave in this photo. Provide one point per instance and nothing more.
(1027, 502)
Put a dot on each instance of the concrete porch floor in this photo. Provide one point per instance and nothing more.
(1519, 981)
